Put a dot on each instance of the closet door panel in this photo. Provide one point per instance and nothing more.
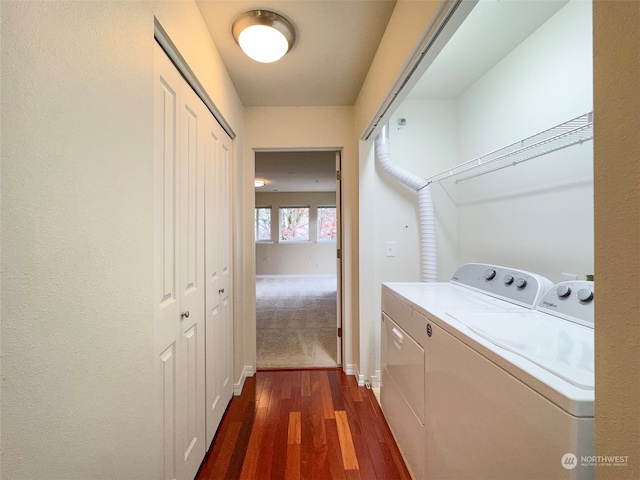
(191, 358)
(218, 250)
(179, 268)
(167, 85)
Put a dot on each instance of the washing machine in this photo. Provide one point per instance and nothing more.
(407, 330)
(510, 395)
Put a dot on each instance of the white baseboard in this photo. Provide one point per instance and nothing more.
(247, 371)
(352, 369)
(376, 379)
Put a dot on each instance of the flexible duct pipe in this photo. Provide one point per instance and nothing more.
(425, 205)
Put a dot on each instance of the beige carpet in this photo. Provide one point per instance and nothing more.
(296, 321)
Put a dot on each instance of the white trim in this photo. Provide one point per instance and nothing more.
(162, 37)
(376, 379)
(352, 369)
(247, 371)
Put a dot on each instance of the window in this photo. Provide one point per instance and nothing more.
(263, 224)
(327, 229)
(294, 224)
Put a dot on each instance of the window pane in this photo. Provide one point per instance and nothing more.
(294, 223)
(263, 224)
(327, 229)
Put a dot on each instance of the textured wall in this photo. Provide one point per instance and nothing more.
(77, 236)
(617, 233)
(274, 128)
(78, 387)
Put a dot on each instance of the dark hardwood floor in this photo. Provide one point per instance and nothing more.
(303, 424)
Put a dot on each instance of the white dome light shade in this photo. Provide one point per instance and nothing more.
(263, 44)
(264, 36)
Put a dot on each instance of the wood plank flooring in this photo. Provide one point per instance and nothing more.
(303, 424)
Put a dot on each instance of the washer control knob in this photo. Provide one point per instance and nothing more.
(508, 279)
(521, 283)
(489, 274)
(563, 291)
(585, 295)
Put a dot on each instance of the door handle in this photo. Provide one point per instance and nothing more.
(184, 315)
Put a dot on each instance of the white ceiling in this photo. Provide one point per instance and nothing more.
(296, 171)
(336, 42)
(490, 32)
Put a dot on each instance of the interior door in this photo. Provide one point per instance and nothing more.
(179, 268)
(218, 234)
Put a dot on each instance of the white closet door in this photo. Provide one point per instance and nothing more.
(179, 268)
(218, 236)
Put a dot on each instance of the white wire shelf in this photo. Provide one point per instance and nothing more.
(567, 134)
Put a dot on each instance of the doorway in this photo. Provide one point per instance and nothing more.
(298, 269)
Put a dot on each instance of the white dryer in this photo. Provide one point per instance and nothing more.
(407, 329)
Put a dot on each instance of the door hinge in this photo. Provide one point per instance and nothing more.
(339, 253)
(339, 175)
(339, 332)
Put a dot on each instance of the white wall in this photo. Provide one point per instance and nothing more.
(304, 258)
(297, 128)
(538, 215)
(78, 388)
(407, 24)
(424, 147)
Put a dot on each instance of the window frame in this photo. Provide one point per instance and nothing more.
(318, 229)
(280, 218)
(255, 231)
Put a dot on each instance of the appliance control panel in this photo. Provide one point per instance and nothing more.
(515, 286)
(572, 300)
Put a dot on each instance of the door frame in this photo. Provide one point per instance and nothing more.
(339, 245)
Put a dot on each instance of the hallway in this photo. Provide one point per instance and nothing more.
(303, 424)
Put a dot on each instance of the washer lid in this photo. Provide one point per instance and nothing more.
(563, 348)
(554, 357)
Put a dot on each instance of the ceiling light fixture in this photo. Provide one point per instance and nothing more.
(259, 183)
(263, 35)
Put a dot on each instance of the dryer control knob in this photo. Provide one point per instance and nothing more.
(489, 274)
(585, 295)
(521, 283)
(563, 291)
(508, 279)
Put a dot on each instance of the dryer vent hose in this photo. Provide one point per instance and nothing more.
(425, 206)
